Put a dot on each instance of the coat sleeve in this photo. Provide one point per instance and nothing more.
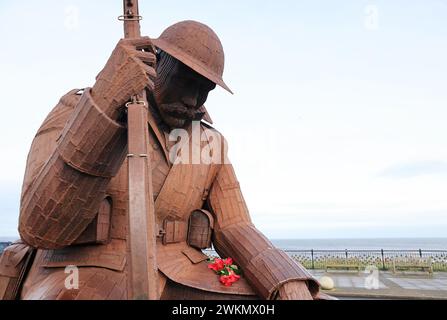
(73, 157)
(265, 267)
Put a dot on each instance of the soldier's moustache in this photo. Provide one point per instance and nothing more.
(180, 111)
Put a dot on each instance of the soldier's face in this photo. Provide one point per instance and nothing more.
(180, 94)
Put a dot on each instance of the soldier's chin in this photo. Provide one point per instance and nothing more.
(173, 122)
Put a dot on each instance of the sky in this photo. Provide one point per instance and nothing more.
(337, 125)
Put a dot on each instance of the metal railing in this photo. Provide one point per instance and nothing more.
(382, 259)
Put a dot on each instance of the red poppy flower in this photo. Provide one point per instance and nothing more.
(228, 272)
(229, 280)
(217, 266)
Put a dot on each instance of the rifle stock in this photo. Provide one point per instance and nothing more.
(142, 264)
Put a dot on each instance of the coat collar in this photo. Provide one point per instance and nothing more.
(162, 135)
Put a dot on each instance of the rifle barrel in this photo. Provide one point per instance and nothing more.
(131, 19)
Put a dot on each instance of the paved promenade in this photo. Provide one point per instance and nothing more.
(408, 285)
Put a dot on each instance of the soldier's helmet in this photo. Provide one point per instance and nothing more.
(197, 46)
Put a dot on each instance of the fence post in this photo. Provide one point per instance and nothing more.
(312, 255)
(383, 260)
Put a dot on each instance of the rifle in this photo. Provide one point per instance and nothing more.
(142, 264)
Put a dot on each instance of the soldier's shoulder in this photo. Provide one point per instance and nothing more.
(58, 116)
(72, 97)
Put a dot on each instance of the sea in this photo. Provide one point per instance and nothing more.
(350, 244)
(362, 244)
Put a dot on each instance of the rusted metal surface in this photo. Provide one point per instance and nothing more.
(142, 262)
(198, 47)
(79, 187)
(98, 231)
(142, 252)
(131, 18)
(14, 263)
(200, 229)
(178, 190)
(67, 173)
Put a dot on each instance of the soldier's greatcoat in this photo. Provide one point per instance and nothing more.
(74, 210)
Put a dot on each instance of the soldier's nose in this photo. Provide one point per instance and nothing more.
(190, 101)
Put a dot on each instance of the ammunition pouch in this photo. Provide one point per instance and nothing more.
(197, 231)
(174, 231)
(200, 229)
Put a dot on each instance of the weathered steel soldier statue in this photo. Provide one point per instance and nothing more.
(74, 205)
